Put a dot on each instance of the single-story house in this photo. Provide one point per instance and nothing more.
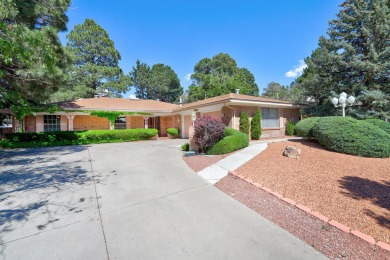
(160, 115)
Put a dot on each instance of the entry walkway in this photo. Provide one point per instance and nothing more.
(217, 171)
(127, 201)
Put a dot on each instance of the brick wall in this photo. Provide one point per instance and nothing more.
(216, 114)
(90, 123)
(29, 124)
(167, 122)
(39, 119)
(135, 122)
(187, 124)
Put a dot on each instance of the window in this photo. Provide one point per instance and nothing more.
(51, 123)
(270, 117)
(120, 123)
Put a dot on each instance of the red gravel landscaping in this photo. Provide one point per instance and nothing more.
(354, 191)
(329, 240)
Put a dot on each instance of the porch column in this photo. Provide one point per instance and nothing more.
(182, 126)
(146, 122)
(70, 122)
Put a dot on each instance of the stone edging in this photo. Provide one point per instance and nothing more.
(318, 215)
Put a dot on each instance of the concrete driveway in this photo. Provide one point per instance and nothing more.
(126, 201)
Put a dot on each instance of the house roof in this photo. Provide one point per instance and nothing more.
(118, 104)
(152, 106)
(229, 98)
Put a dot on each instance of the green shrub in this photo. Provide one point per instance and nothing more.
(120, 135)
(385, 126)
(28, 140)
(290, 128)
(351, 136)
(42, 136)
(185, 147)
(233, 140)
(256, 126)
(173, 131)
(244, 123)
(304, 128)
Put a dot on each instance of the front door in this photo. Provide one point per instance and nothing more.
(154, 122)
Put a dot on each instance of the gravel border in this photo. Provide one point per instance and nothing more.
(325, 238)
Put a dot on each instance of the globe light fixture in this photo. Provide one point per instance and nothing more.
(344, 101)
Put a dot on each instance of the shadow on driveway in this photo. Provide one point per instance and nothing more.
(30, 177)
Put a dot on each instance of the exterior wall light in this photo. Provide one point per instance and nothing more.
(193, 117)
(344, 101)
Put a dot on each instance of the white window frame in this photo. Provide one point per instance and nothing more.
(270, 117)
(51, 123)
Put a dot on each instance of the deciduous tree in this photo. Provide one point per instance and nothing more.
(220, 75)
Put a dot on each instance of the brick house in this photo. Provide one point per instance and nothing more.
(161, 115)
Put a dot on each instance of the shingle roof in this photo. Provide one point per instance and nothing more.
(144, 105)
(119, 104)
(230, 97)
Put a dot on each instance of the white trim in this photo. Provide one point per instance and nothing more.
(261, 104)
(182, 126)
(208, 109)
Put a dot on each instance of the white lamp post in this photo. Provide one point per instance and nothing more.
(193, 117)
(344, 101)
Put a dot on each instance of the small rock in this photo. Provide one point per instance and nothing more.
(292, 152)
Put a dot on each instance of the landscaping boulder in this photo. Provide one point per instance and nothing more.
(292, 152)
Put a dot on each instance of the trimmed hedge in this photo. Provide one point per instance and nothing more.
(42, 139)
(173, 131)
(244, 123)
(290, 128)
(304, 128)
(385, 126)
(351, 136)
(233, 140)
(256, 126)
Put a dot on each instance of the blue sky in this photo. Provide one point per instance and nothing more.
(270, 38)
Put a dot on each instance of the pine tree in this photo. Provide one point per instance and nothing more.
(95, 67)
(256, 126)
(32, 59)
(354, 58)
(244, 123)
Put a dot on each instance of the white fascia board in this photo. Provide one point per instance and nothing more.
(261, 104)
(205, 109)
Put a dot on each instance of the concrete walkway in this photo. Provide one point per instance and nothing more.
(126, 201)
(217, 171)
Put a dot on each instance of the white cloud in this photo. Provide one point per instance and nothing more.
(297, 70)
(188, 77)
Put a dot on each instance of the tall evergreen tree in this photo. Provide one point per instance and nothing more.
(141, 77)
(354, 58)
(32, 60)
(95, 64)
(220, 75)
(158, 82)
(165, 85)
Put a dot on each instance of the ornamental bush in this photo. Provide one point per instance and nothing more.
(290, 127)
(185, 147)
(304, 128)
(233, 140)
(27, 140)
(351, 136)
(385, 126)
(173, 131)
(207, 131)
(256, 126)
(244, 123)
